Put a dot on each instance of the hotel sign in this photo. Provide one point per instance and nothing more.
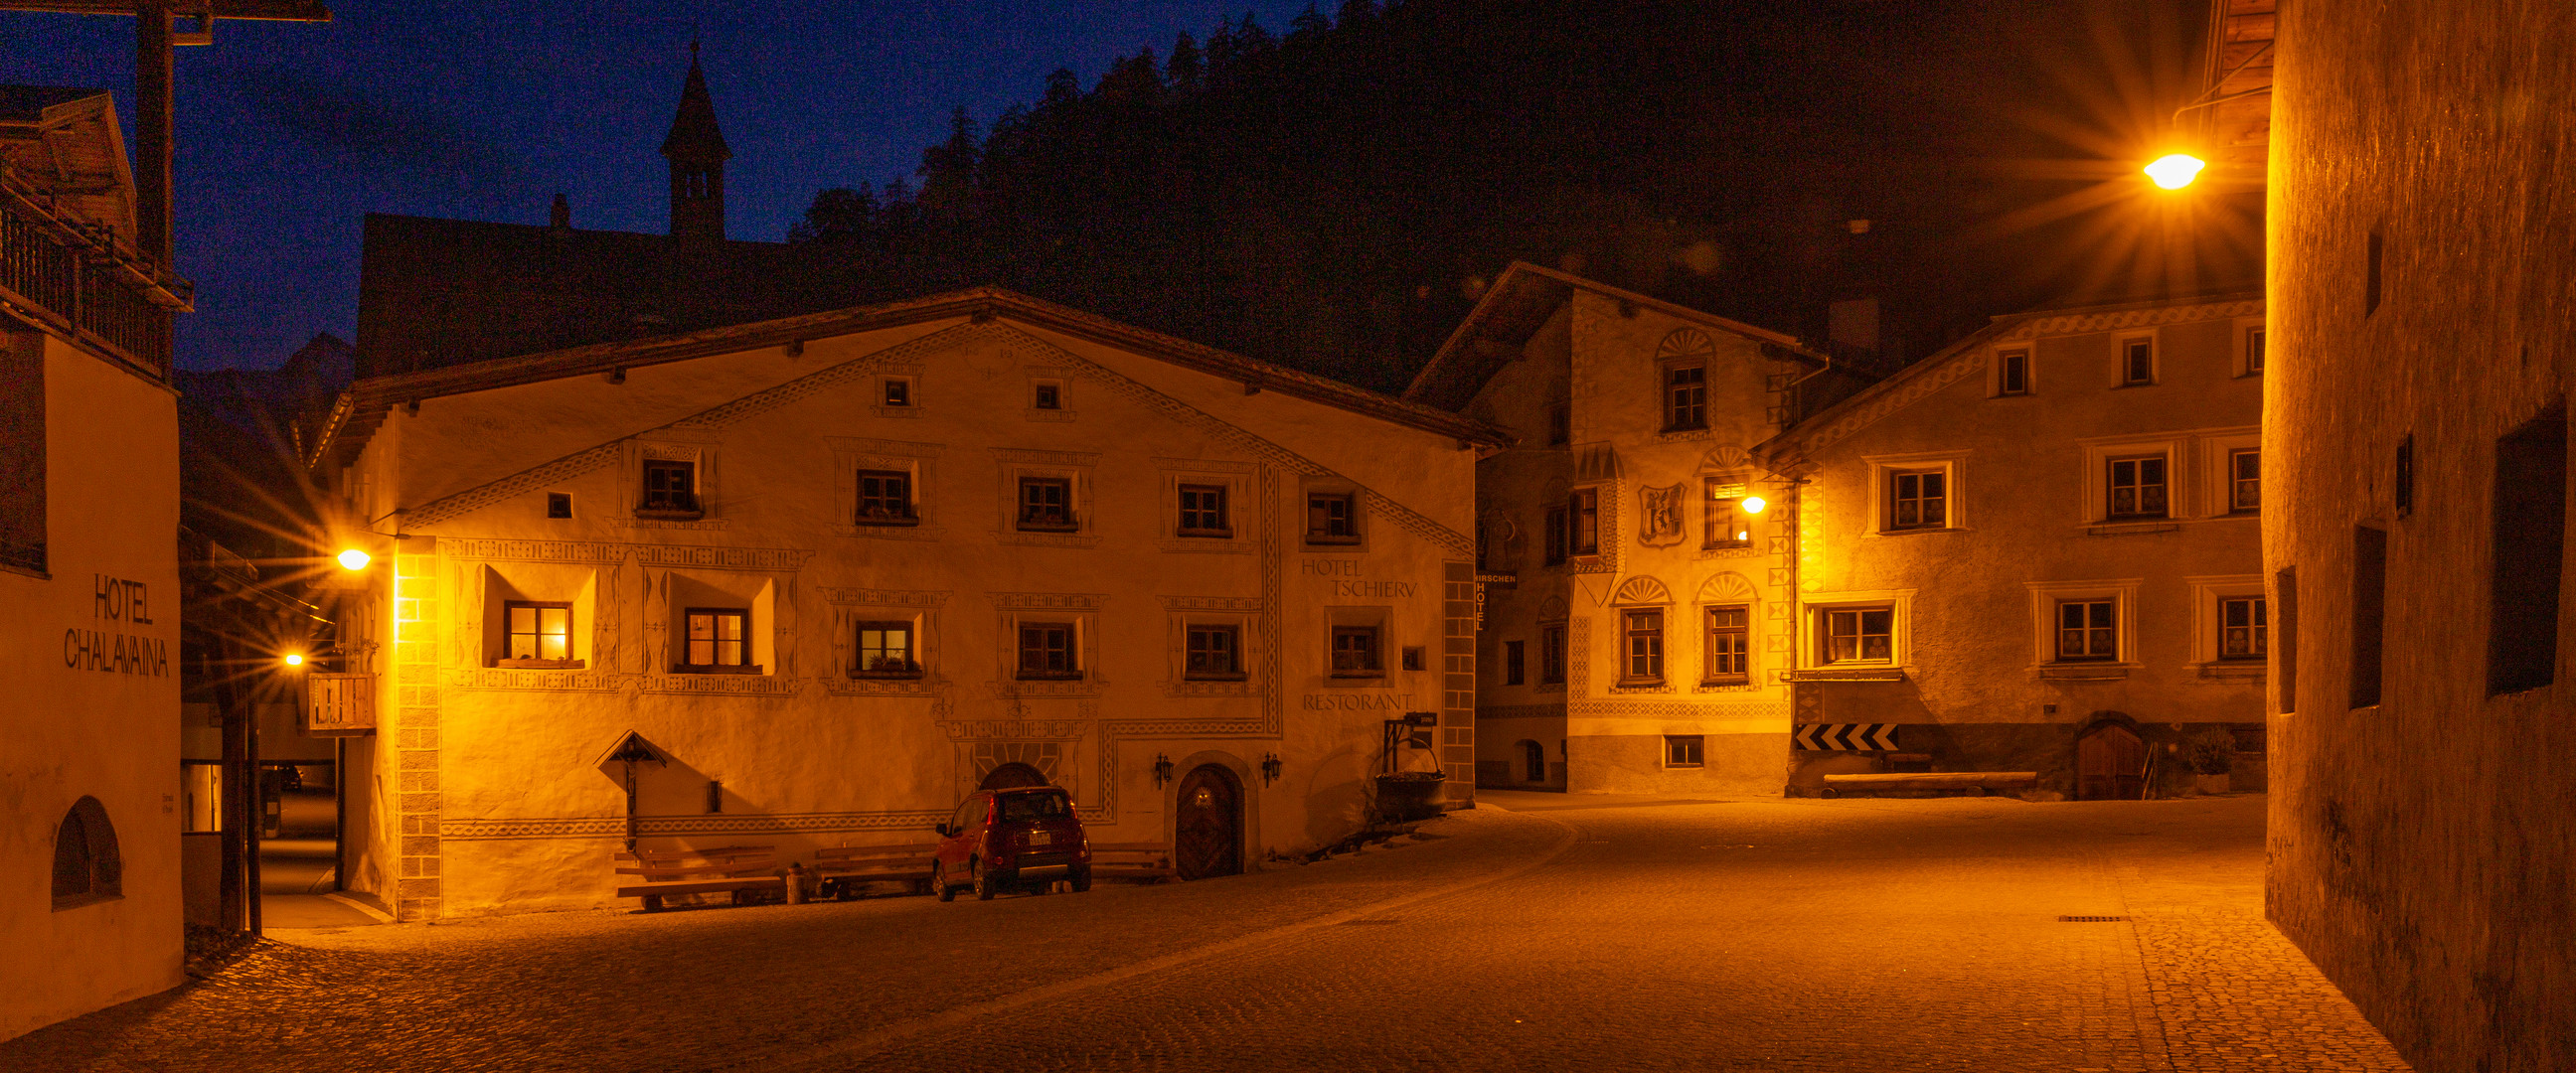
(117, 604)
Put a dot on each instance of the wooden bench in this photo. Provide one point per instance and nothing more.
(1148, 861)
(739, 870)
(1976, 781)
(840, 870)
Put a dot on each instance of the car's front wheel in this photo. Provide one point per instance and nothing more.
(983, 882)
(939, 883)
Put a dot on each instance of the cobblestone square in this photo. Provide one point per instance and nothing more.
(1541, 932)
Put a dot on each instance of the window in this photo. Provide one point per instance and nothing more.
(2137, 362)
(1213, 652)
(885, 651)
(1684, 750)
(1332, 518)
(1046, 650)
(1918, 499)
(718, 637)
(2243, 632)
(1583, 522)
(1560, 424)
(885, 498)
(1045, 396)
(1642, 631)
(1046, 504)
(1558, 525)
(1729, 650)
(2138, 487)
(2012, 372)
(1416, 658)
(2285, 588)
(2403, 488)
(2369, 611)
(898, 391)
(1355, 652)
(1533, 762)
(537, 631)
(1551, 654)
(670, 485)
(558, 504)
(2087, 630)
(1512, 666)
(87, 866)
(1685, 398)
(2244, 480)
(2254, 338)
(2527, 538)
(1203, 511)
(1860, 635)
(1721, 528)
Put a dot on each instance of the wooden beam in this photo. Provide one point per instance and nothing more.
(266, 10)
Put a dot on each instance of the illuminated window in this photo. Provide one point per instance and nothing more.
(1722, 526)
(1918, 499)
(670, 485)
(2244, 480)
(885, 651)
(1355, 652)
(537, 631)
(1046, 650)
(2087, 630)
(1046, 504)
(1642, 630)
(2138, 487)
(1859, 635)
(1213, 652)
(1203, 511)
(2243, 632)
(718, 637)
(1332, 518)
(885, 497)
(1729, 644)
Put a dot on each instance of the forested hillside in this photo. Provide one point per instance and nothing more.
(1334, 193)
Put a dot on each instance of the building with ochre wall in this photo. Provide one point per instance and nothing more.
(1636, 622)
(89, 518)
(838, 571)
(2423, 821)
(2037, 550)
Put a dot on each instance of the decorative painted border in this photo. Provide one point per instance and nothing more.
(663, 826)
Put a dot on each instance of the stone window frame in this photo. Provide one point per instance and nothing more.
(919, 608)
(1998, 380)
(2045, 596)
(918, 461)
(2182, 481)
(1075, 468)
(1711, 482)
(2207, 592)
(2121, 349)
(2216, 451)
(706, 476)
(1361, 528)
(1883, 470)
(2252, 339)
(1813, 612)
(1555, 660)
(910, 376)
(1377, 618)
(914, 667)
(498, 592)
(681, 643)
(1242, 506)
(1042, 378)
(1081, 610)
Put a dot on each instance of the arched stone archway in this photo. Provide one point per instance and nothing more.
(1012, 776)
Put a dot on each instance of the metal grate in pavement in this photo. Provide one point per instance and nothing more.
(2090, 920)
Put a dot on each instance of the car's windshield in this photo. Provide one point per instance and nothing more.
(1035, 807)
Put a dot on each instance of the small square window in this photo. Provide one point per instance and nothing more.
(1918, 499)
(1203, 511)
(1415, 659)
(1551, 654)
(2012, 372)
(2137, 362)
(1046, 651)
(1685, 750)
(537, 631)
(2244, 480)
(1332, 518)
(897, 391)
(718, 637)
(1355, 652)
(2244, 628)
(670, 485)
(1045, 396)
(558, 504)
(2087, 630)
(1860, 635)
(885, 650)
(1046, 505)
(2137, 488)
(1213, 652)
(885, 498)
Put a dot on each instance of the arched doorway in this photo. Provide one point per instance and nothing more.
(2110, 763)
(1533, 762)
(1207, 827)
(1013, 776)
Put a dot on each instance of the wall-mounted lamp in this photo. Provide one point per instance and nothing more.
(1754, 504)
(353, 559)
(295, 659)
(1270, 766)
(2173, 171)
(1162, 770)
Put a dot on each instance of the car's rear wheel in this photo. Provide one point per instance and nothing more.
(983, 882)
(939, 883)
(1081, 880)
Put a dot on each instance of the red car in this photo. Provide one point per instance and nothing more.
(1008, 838)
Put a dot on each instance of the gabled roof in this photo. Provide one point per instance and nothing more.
(1919, 381)
(694, 137)
(363, 408)
(63, 144)
(1514, 308)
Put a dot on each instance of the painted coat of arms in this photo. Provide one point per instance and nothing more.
(1659, 523)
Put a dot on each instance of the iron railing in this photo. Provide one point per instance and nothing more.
(70, 274)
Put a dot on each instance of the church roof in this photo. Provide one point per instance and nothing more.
(694, 136)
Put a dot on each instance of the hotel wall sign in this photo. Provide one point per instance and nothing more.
(110, 650)
(1344, 575)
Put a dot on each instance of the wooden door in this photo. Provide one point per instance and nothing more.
(2108, 763)
(1207, 829)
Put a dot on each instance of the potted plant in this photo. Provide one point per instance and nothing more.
(2210, 754)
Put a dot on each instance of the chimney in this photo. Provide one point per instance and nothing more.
(562, 213)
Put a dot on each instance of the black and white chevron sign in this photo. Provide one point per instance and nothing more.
(1845, 737)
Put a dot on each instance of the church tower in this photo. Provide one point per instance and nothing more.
(697, 153)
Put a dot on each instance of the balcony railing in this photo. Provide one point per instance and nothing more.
(71, 274)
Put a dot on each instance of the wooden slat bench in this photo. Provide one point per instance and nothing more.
(1984, 781)
(841, 869)
(1148, 861)
(739, 870)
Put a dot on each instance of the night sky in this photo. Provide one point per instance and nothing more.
(289, 133)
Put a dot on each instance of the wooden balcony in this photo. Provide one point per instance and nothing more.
(71, 276)
(339, 705)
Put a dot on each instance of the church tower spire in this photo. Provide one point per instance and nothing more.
(697, 153)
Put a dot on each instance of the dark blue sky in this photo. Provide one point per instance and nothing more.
(289, 133)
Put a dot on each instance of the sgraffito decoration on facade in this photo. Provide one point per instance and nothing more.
(1659, 516)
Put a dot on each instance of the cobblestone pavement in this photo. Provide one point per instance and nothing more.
(1769, 936)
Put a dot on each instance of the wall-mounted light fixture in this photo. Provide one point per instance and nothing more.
(1270, 766)
(2173, 171)
(353, 559)
(295, 659)
(1162, 770)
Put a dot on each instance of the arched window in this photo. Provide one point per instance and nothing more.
(1533, 762)
(87, 867)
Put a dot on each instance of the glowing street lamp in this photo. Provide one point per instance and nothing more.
(2173, 171)
(295, 659)
(1754, 504)
(354, 560)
